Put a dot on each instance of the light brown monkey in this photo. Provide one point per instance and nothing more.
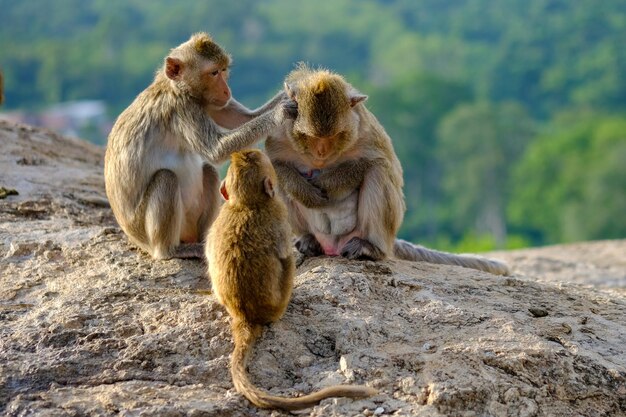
(161, 154)
(252, 268)
(341, 179)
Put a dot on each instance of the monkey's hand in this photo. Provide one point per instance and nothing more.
(286, 110)
(290, 108)
(342, 179)
(298, 188)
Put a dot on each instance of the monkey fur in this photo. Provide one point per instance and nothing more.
(341, 179)
(160, 160)
(252, 269)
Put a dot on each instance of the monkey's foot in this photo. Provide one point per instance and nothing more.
(309, 246)
(361, 249)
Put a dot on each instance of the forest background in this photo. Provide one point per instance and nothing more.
(509, 116)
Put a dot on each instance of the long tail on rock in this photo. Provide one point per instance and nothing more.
(245, 335)
(411, 252)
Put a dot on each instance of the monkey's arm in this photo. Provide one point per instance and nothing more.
(282, 238)
(244, 136)
(251, 132)
(381, 206)
(341, 180)
(273, 102)
(297, 187)
(216, 146)
(284, 252)
(235, 114)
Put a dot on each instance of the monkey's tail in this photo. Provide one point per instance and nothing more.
(411, 252)
(245, 335)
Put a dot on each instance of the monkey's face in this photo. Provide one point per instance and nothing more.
(214, 78)
(322, 129)
(212, 64)
(201, 67)
(325, 126)
(322, 151)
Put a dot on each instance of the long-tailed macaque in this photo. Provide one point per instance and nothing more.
(251, 267)
(160, 159)
(341, 178)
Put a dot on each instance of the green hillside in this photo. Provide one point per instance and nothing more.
(508, 116)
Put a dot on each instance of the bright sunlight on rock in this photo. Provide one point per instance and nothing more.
(91, 326)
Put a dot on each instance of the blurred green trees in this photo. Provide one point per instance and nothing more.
(571, 183)
(411, 108)
(508, 117)
(477, 145)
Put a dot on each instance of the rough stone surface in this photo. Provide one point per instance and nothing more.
(91, 326)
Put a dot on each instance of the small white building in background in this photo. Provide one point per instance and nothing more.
(86, 119)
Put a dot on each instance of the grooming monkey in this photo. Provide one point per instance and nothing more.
(161, 154)
(341, 178)
(252, 268)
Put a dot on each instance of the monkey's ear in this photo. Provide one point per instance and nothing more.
(173, 68)
(290, 92)
(356, 99)
(269, 187)
(223, 190)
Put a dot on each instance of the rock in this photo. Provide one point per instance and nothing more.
(5, 192)
(92, 326)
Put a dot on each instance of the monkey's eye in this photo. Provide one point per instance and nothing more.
(214, 73)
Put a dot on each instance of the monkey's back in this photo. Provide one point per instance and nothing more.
(140, 144)
(244, 265)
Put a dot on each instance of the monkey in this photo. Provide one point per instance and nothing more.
(161, 156)
(251, 267)
(341, 179)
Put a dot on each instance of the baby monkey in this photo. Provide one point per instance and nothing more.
(252, 269)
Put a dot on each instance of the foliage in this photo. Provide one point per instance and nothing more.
(411, 108)
(477, 143)
(475, 93)
(570, 183)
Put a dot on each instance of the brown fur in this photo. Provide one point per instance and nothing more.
(160, 173)
(209, 49)
(354, 205)
(335, 133)
(252, 268)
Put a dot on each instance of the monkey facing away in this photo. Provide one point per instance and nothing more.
(341, 179)
(161, 154)
(252, 269)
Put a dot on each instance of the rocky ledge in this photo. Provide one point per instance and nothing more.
(91, 326)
